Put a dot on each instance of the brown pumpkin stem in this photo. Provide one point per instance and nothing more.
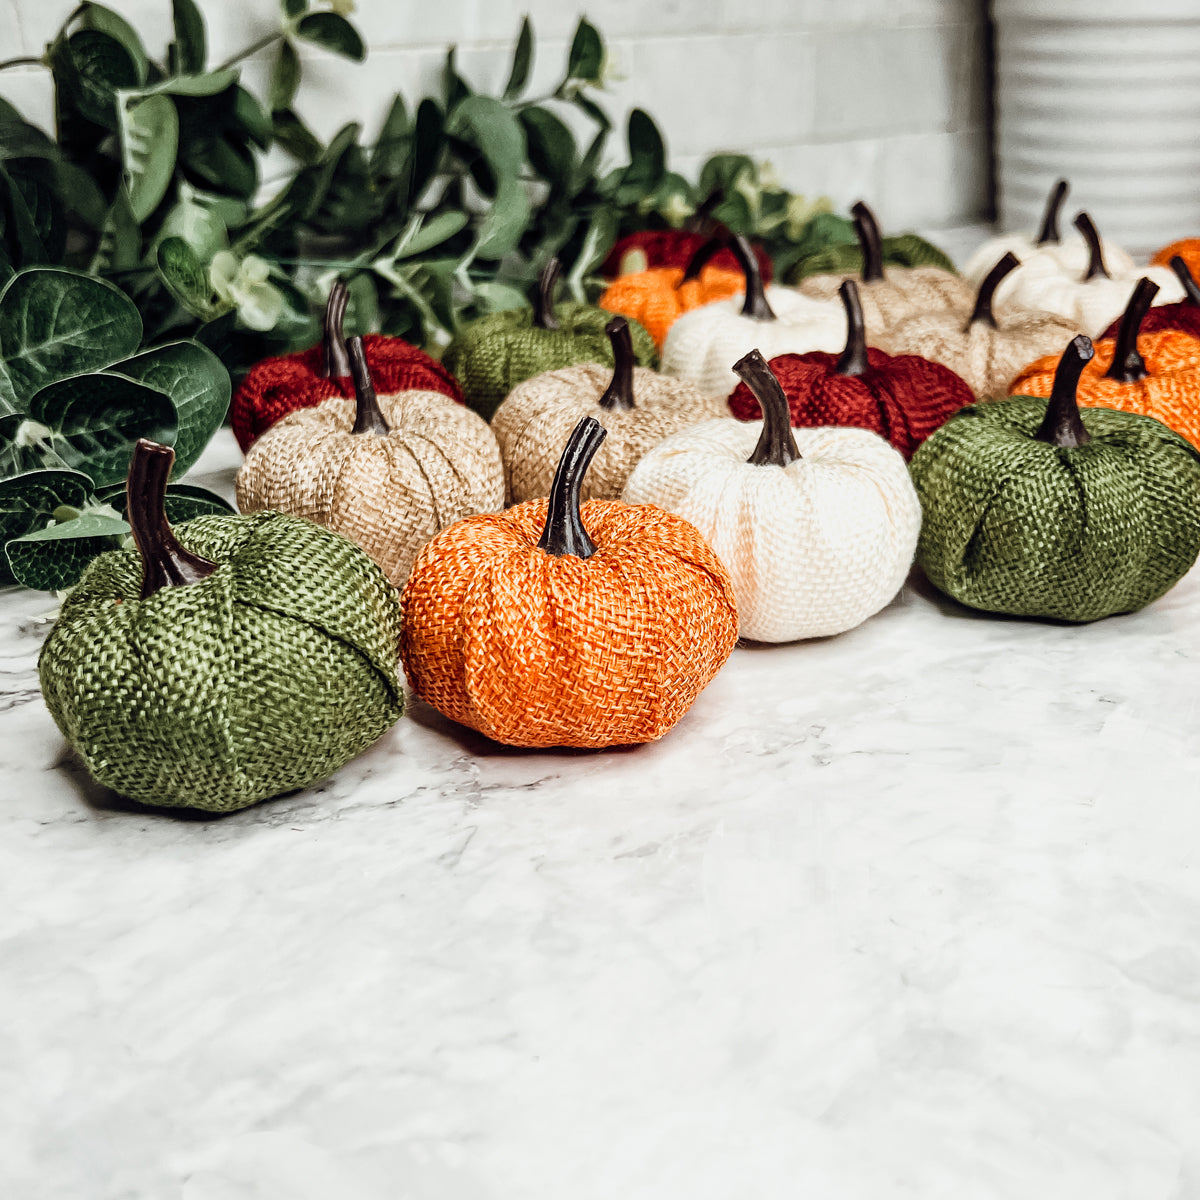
(1128, 366)
(1091, 235)
(699, 220)
(1054, 202)
(866, 227)
(368, 416)
(854, 357)
(1185, 277)
(543, 301)
(563, 532)
(1063, 426)
(776, 445)
(165, 563)
(334, 362)
(755, 305)
(987, 290)
(619, 393)
(704, 254)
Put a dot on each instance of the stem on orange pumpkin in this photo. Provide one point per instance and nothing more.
(699, 220)
(1185, 277)
(776, 445)
(619, 393)
(1128, 366)
(854, 356)
(543, 301)
(987, 290)
(866, 227)
(1091, 235)
(368, 416)
(1062, 425)
(334, 363)
(563, 532)
(704, 254)
(165, 563)
(755, 305)
(1054, 202)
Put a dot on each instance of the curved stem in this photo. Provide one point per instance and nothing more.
(854, 357)
(25, 60)
(1091, 235)
(1185, 277)
(263, 42)
(987, 290)
(699, 219)
(335, 363)
(1128, 366)
(870, 240)
(704, 255)
(165, 563)
(619, 393)
(543, 301)
(776, 445)
(1054, 202)
(563, 532)
(1063, 425)
(368, 416)
(755, 304)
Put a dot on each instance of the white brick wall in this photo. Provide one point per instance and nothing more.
(881, 99)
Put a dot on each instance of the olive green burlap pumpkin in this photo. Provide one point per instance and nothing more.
(229, 660)
(902, 250)
(1036, 508)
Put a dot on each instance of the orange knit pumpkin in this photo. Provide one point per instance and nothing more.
(1156, 374)
(1187, 248)
(524, 627)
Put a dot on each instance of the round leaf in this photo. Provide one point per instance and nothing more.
(51, 559)
(149, 127)
(185, 276)
(190, 45)
(332, 32)
(28, 502)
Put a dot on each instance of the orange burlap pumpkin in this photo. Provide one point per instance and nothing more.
(553, 624)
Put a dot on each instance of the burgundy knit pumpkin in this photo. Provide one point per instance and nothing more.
(1184, 316)
(675, 248)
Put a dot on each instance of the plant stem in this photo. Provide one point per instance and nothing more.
(263, 42)
(27, 60)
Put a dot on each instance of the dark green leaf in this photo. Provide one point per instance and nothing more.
(183, 501)
(185, 276)
(207, 83)
(149, 129)
(104, 20)
(81, 194)
(23, 243)
(522, 61)
(455, 88)
(285, 77)
(190, 47)
(293, 8)
(601, 233)
(593, 110)
(221, 165)
(120, 245)
(253, 118)
(392, 150)
(506, 220)
(89, 69)
(428, 147)
(196, 217)
(332, 32)
(647, 159)
(494, 130)
(51, 559)
(551, 146)
(587, 53)
(425, 232)
(362, 308)
(295, 137)
(29, 501)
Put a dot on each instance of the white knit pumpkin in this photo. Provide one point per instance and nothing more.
(813, 547)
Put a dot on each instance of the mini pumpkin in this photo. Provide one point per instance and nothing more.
(1186, 249)
(638, 407)
(225, 661)
(278, 386)
(1036, 508)
(386, 471)
(1156, 374)
(1184, 316)
(495, 353)
(985, 351)
(556, 624)
(901, 398)
(817, 526)
(900, 250)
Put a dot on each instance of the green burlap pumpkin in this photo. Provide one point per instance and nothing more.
(492, 355)
(1034, 508)
(903, 250)
(224, 686)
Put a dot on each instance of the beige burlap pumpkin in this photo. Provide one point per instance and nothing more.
(638, 407)
(388, 472)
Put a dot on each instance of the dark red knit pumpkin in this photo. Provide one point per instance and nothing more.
(903, 398)
(277, 386)
(1184, 316)
(675, 248)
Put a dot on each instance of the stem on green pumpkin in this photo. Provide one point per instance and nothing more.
(1062, 425)
(854, 356)
(368, 416)
(1128, 366)
(776, 445)
(165, 563)
(987, 290)
(335, 364)
(1091, 235)
(543, 301)
(1185, 277)
(866, 228)
(755, 304)
(704, 255)
(619, 393)
(1054, 202)
(563, 532)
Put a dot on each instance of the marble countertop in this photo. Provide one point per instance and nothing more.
(913, 912)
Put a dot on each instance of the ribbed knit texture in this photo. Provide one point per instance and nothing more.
(658, 297)
(1013, 525)
(389, 494)
(278, 386)
(1183, 317)
(903, 250)
(903, 399)
(1187, 248)
(703, 345)
(674, 248)
(1069, 257)
(813, 548)
(532, 426)
(537, 650)
(267, 676)
(492, 355)
(903, 292)
(1170, 392)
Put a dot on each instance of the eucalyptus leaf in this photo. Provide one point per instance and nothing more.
(90, 68)
(120, 244)
(55, 558)
(551, 146)
(149, 128)
(600, 235)
(105, 20)
(196, 218)
(522, 62)
(292, 135)
(647, 159)
(285, 77)
(293, 8)
(332, 32)
(190, 47)
(423, 233)
(30, 500)
(492, 127)
(505, 221)
(184, 274)
(393, 147)
(25, 446)
(428, 146)
(253, 119)
(587, 53)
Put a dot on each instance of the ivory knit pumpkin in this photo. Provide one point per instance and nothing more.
(387, 472)
(1036, 508)
(638, 407)
(555, 624)
(223, 662)
(816, 526)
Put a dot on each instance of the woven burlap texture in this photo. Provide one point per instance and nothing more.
(901, 398)
(537, 650)
(901, 293)
(1069, 257)
(1014, 525)
(389, 494)
(532, 426)
(813, 548)
(492, 355)
(703, 345)
(658, 297)
(267, 676)
(1170, 393)
(985, 357)
(903, 250)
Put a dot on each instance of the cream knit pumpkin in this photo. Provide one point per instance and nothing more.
(815, 546)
